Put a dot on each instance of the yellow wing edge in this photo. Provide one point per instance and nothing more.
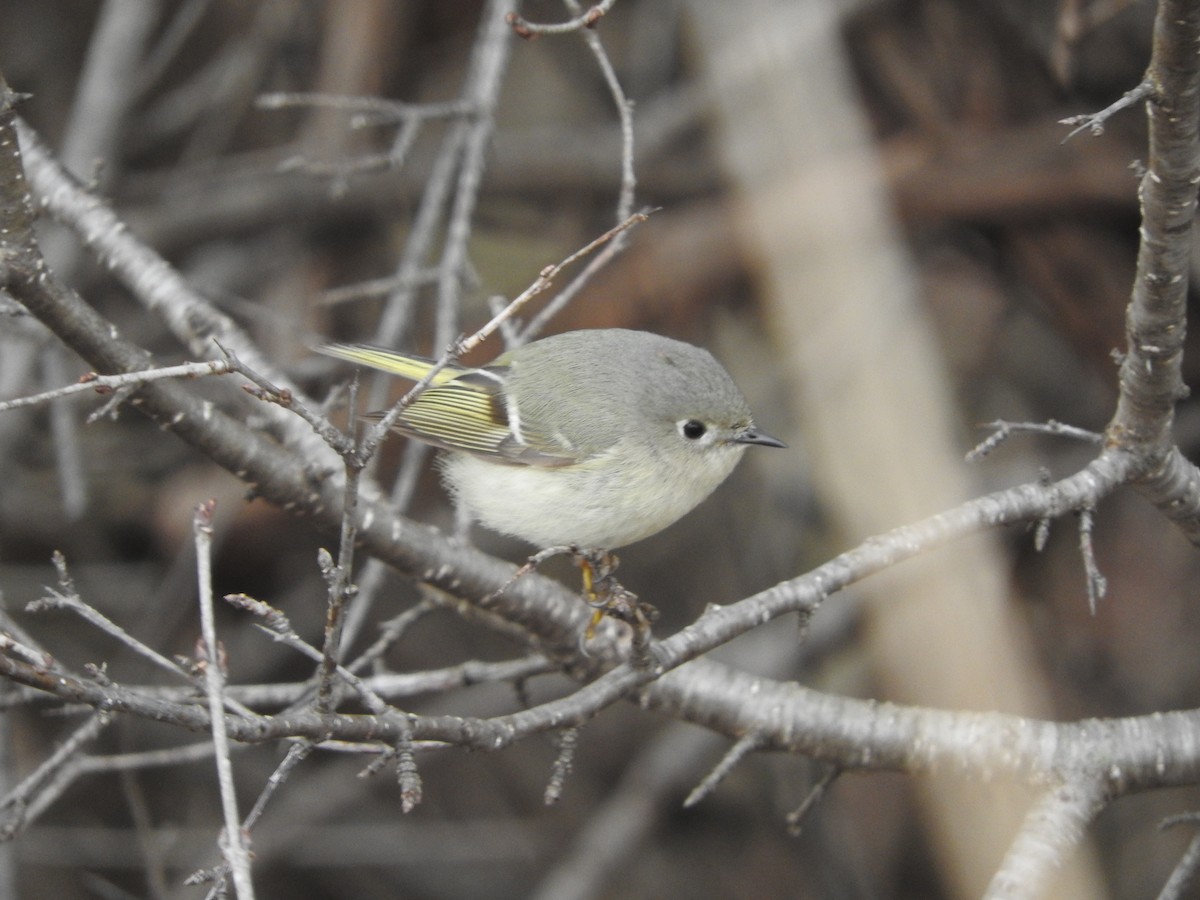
(406, 365)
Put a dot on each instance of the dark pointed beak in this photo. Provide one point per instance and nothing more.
(752, 435)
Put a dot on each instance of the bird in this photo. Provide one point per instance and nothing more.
(595, 438)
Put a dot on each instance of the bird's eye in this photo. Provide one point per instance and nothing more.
(693, 429)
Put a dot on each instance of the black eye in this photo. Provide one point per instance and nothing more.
(693, 429)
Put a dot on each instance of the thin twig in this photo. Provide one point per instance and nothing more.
(366, 111)
(1095, 121)
(390, 632)
(67, 597)
(234, 841)
(341, 589)
(1003, 430)
(340, 172)
(587, 19)
(584, 19)
(264, 390)
(278, 626)
(1097, 584)
(508, 330)
(797, 816)
(104, 384)
(377, 108)
(749, 743)
(624, 114)
(568, 742)
(296, 754)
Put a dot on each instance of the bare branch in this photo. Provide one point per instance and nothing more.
(1094, 122)
(1151, 381)
(568, 743)
(103, 384)
(368, 109)
(233, 842)
(1054, 827)
(746, 745)
(587, 19)
(1003, 430)
(795, 819)
(1097, 584)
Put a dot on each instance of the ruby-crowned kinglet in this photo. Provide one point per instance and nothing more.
(592, 438)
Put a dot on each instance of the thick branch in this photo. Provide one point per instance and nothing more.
(1151, 381)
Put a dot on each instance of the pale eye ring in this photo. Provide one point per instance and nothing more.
(693, 429)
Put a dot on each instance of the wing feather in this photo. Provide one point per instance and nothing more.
(462, 409)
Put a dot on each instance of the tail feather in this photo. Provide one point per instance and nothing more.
(405, 365)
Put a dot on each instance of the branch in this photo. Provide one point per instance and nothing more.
(587, 19)
(234, 847)
(1094, 122)
(1151, 380)
(1054, 827)
(103, 384)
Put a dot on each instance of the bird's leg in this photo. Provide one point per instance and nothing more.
(601, 591)
(599, 582)
(607, 596)
(597, 567)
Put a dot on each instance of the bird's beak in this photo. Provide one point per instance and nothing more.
(752, 435)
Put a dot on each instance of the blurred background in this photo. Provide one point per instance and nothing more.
(868, 213)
